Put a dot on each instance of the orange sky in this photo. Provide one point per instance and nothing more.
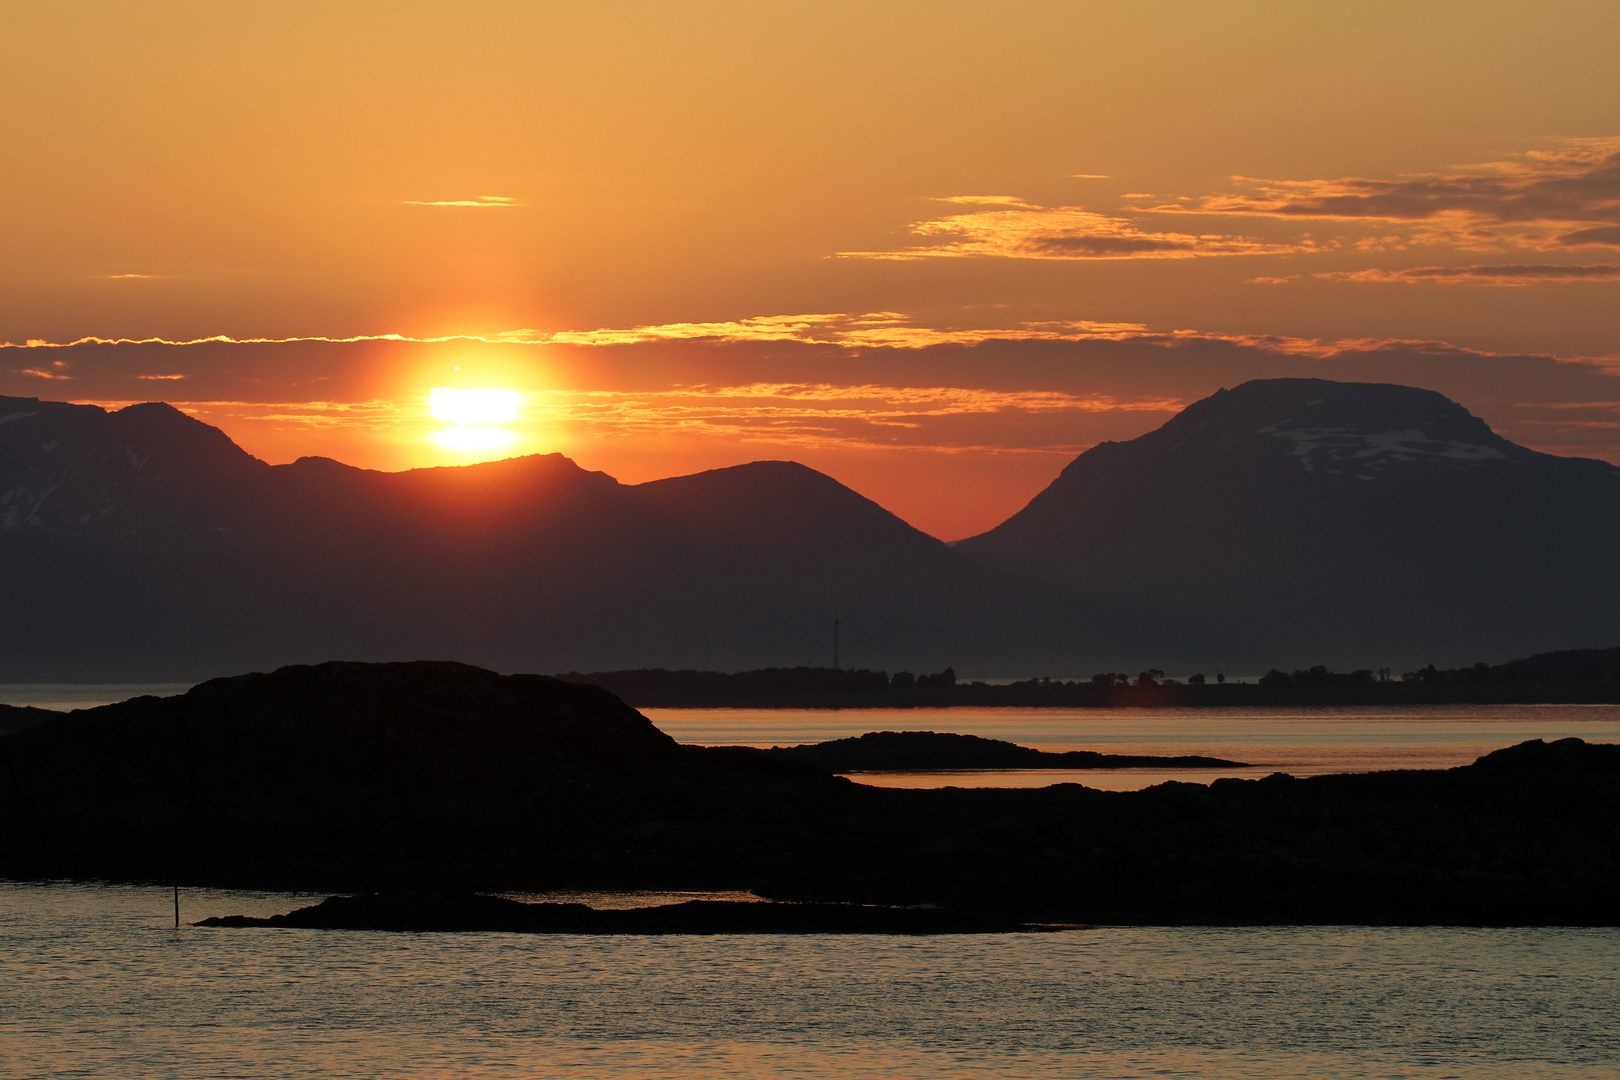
(701, 233)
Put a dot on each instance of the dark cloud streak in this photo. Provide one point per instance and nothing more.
(1511, 274)
(1547, 190)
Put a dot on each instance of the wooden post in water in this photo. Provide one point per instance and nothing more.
(177, 905)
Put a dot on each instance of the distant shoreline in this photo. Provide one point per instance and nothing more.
(1570, 677)
(1069, 695)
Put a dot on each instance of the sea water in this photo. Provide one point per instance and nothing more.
(1300, 741)
(95, 981)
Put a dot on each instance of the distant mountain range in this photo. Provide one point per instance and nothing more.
(1320, 522)
(1289, 522)
(144, 545)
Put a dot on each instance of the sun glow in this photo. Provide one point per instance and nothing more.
(474, 440)
(475, 418)
(466, 407)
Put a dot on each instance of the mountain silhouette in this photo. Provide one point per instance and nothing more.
(1283, 523)
(143, 544)
(1299, 521)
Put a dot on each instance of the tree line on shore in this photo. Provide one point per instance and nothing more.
(1575, 667)
(1566, 666)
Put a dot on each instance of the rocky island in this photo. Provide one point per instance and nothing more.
(441, 777)
(933, 751)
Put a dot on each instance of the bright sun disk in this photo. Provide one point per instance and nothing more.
(474, 440)
(467, 407)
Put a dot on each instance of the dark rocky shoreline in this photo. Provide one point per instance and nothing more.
(348, 777)
(434, 912)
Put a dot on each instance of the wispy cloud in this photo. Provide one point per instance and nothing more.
(805, 382)
(884, 329)
(481, 200)
(1483, 275)
(217, 339)
(1020, 230)
(1566, 197)
(376, 415)
(824, 415)
(878, 329)
(132, 277)
(1546, 200)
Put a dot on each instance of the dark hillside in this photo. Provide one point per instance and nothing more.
(1303, 521)
(144, 545)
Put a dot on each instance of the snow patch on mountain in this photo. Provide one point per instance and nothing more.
(1346, 448)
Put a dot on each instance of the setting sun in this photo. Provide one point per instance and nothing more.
(475, 440)
(465, 407)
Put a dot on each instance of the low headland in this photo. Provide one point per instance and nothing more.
(434, 777)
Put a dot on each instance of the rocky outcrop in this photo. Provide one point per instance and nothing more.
(928, 751)
(461, 912)
(414, 754)
(433, 776)
(1560, 756)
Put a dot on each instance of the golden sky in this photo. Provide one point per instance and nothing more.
(934, 249)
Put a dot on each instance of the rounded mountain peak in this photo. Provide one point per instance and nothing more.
(1360, 429)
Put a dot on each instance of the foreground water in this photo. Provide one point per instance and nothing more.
(97, 982)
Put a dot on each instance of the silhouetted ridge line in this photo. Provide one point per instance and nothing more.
(143, 545)
(1282, 523)
(1303, 520)
(18, 717)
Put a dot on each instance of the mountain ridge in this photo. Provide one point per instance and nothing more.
(1304, 520)
(1283, 522)
(528, 563)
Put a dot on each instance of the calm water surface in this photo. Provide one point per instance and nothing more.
(1305, 742)
(96, 982)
